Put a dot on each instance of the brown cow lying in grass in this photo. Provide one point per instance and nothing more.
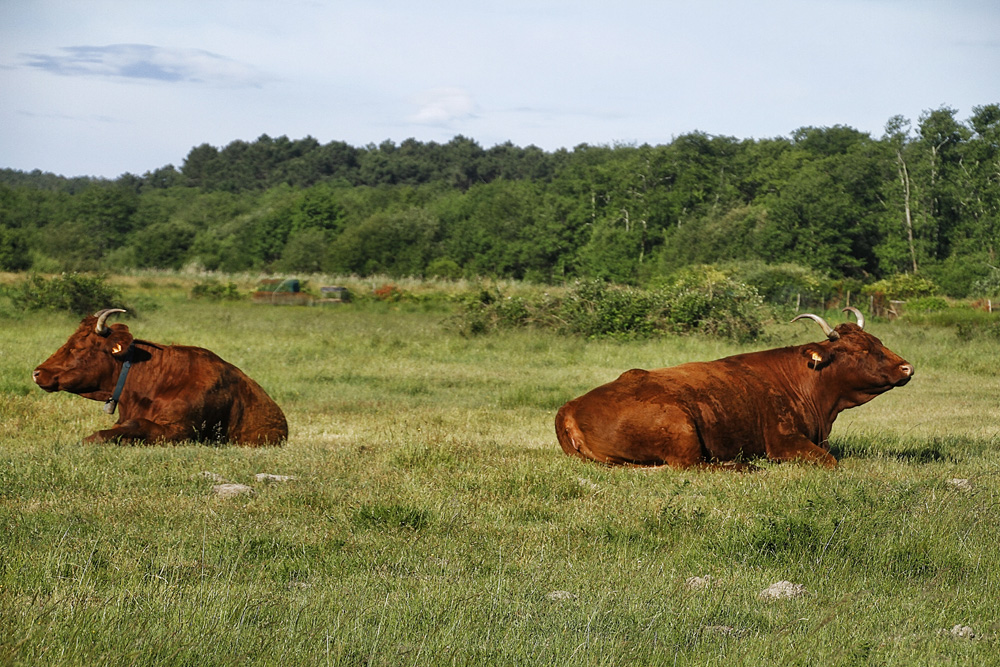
(164, 393)
(778, 403)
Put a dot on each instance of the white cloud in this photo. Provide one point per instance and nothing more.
(440, 106)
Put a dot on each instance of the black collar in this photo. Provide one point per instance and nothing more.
(112, 403)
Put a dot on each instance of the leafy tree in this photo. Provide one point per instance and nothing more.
(694, 169)
(733, 235)
(318, 208)
(982, 180)
(512, 163)
(375, 164)
(162, 178)
(500, 229)
(13, 250)
(828, 141)
(104, 213)
(305, 252)
(335, 162)
(199, 165)
(164, 244)
(830, 203)
(463, 157)
(897, 131)
(611, 254)
(395, 243)
(942, 142)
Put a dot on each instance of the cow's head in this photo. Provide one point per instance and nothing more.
(85, 363)
(857, 366)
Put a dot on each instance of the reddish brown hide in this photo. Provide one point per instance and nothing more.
(778, 403)
(171, 393)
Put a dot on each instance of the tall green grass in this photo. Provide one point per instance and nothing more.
(433, 519)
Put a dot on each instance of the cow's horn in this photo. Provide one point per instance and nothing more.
(857, 314)
(101, 317)
(827, 329)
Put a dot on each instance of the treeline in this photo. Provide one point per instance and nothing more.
(921, 199)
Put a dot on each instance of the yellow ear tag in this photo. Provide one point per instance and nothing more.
(816, 357)
(117, 348)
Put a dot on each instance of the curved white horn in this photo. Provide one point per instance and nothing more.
(101, 316)
(857, 314)
(827, 329)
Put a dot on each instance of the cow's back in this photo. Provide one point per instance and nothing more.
(680, 416)
(221, 402)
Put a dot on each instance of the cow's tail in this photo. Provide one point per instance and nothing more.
(569, 434)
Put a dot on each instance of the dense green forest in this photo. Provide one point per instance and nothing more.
(921, 199)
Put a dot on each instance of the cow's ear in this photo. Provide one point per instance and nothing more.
(118, 341)
(817, 356)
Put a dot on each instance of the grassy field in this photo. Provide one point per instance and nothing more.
(431, 517)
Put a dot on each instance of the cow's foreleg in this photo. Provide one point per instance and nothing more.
(799, 448)
(142, 430)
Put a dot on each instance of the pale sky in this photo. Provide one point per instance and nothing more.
(104, 87)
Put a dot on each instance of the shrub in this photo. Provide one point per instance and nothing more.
(972, 328)
(388, 292)
(596, 309)
(76, 293)
(926, 304)
(988, 286)
(705, 299)
(962, 275)
(442, 267)
(213, 290)
(902, 286)
(488, 310)
(718, 307)
(789, 285)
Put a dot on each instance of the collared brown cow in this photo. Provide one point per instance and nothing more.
(778, 403)
(171, 393)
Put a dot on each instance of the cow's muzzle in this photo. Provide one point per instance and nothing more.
(46, 381)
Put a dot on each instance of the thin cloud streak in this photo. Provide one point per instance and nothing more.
(147, 62)
(65, 116)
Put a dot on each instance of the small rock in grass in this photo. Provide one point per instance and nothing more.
(212, 476)
(960, 484)
(697, 583)
(267, 477)
(587, 484)
(230, 490)
(781, 590)
(560, 595)
(963, 631)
